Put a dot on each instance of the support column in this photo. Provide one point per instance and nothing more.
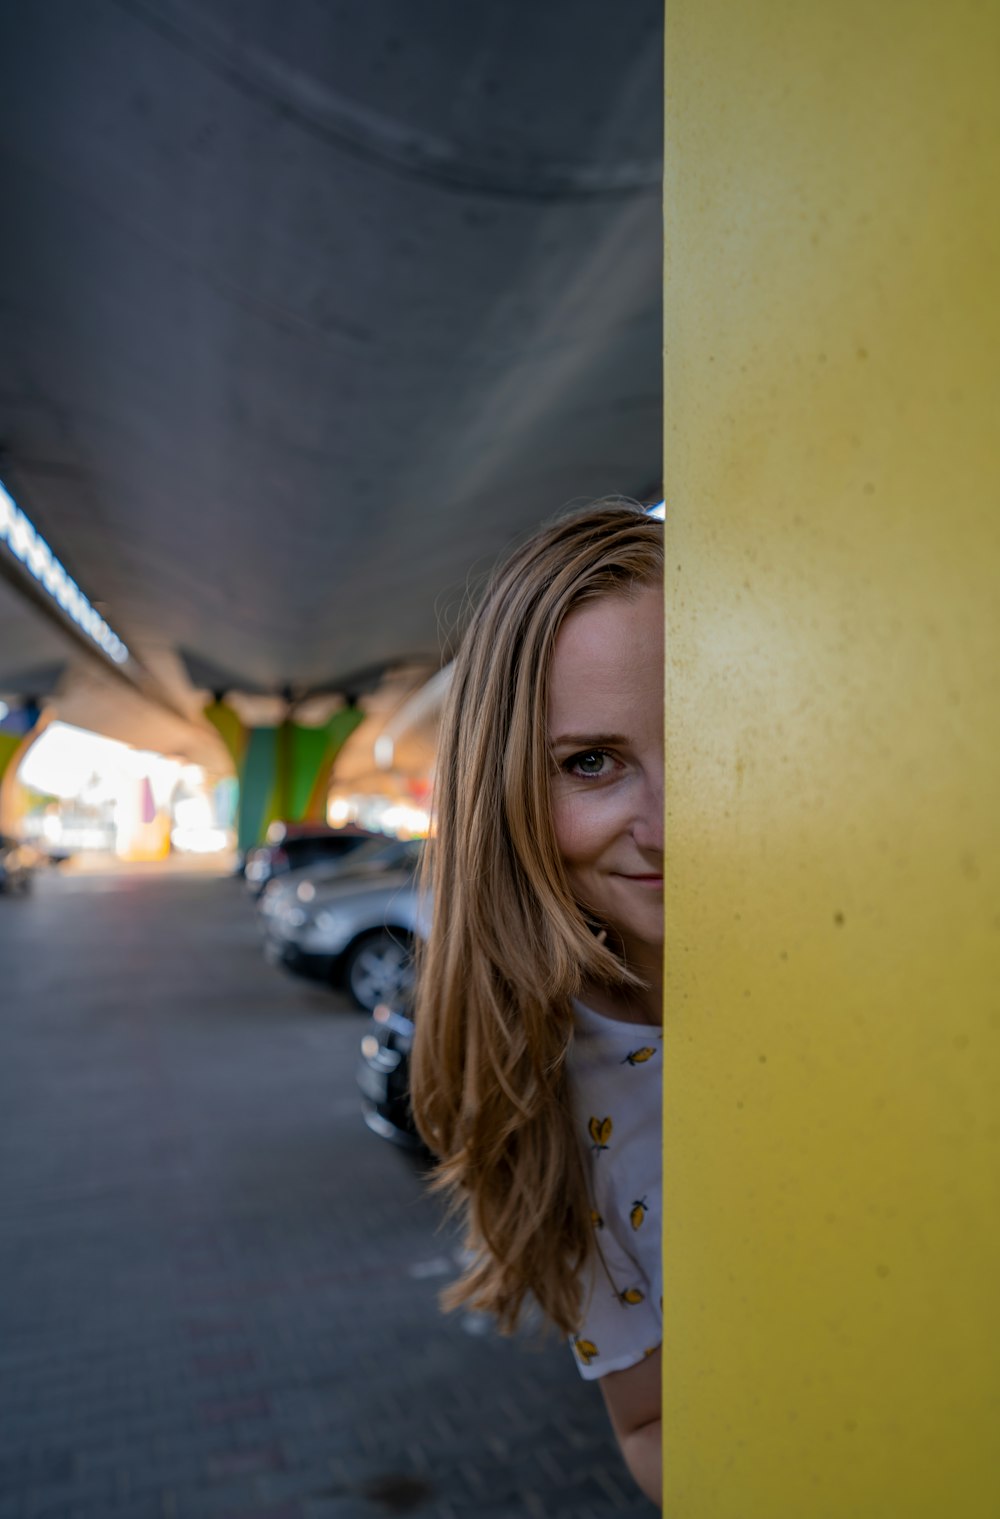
(283, 772)
(832, 1148)
(18, 731)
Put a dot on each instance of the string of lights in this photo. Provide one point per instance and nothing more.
(23, 540)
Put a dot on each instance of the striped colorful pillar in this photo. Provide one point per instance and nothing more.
(284, 771)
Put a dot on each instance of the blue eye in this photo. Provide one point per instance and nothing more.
(589, 762)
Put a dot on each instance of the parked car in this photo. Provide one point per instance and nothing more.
(357, 934)
(384, 1077)
(17, 865)
(291, 846)
(371, 858)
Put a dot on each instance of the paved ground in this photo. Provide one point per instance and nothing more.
(217, 1289)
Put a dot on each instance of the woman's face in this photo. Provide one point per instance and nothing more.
(606, 739)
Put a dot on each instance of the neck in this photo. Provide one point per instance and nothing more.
(628, 1004)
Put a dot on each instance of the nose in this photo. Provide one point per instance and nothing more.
(647, 821)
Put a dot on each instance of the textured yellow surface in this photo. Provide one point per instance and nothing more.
(832, 1160)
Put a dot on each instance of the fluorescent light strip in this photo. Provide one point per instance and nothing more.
(659, 510)
(26, 543)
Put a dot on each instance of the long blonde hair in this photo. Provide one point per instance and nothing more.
(509, 946)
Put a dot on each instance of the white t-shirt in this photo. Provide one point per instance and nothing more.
(616, 1083)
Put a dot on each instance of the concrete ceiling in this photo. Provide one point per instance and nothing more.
(309, 308)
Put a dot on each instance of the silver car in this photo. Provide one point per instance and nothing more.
(358, 932)
(372, 858)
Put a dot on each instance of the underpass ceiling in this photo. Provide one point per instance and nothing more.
(32, 651)
(308, 310)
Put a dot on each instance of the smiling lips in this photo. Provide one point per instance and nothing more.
(646, 880)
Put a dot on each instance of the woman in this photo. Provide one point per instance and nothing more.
(538, 1018)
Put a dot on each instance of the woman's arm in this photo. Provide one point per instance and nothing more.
(633, 1400)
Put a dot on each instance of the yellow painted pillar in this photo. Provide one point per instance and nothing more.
(832, 1147)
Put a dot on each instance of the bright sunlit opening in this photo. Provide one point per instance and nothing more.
(68, 762)
(199, 840)
(85, 793)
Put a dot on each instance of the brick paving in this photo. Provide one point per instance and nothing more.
(217, 1289)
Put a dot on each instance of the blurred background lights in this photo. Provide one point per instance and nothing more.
(379, 813)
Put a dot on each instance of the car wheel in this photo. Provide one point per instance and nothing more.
(379, 968)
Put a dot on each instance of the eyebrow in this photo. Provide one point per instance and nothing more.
(588, 740)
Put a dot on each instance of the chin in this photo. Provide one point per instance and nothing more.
(648, 928)
(643, 931)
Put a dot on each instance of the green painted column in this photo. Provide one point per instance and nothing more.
(284, 771)
(9, 745)
(832, 476)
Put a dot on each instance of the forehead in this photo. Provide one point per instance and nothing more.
(607, 663)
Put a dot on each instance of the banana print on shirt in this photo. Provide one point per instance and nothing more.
(639, 1057)
(586, 1350)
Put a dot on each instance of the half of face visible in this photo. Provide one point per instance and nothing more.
(606, 739)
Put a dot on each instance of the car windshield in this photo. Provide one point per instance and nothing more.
(401, 854)
(372, 849)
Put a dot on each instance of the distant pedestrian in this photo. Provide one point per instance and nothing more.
(536, 1067)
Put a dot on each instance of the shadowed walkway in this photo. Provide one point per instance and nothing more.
(217, 1289)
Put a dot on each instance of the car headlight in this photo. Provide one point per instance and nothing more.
(326, 922)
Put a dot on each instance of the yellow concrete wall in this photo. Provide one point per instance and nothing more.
(832, 1250)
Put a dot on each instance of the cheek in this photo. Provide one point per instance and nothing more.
(581, 829)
